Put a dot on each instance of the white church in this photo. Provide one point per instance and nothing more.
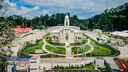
(66, 33)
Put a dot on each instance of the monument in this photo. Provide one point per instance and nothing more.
(66, 33)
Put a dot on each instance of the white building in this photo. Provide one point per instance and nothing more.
(123, 35)
(97, 31)
(66, 33)
(34, 64)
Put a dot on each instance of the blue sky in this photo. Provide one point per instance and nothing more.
(82, 8)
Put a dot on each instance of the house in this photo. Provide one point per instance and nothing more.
(123, 35)
(19, 31)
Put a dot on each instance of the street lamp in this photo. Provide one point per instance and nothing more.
(84, 54)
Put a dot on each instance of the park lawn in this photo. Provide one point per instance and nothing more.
(32, 47)
(100, 50)
(55, 49)
(86, 48)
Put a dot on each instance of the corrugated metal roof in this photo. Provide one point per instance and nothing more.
(122, 64)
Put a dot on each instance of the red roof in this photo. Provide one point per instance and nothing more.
(122, 64)
(21, 30)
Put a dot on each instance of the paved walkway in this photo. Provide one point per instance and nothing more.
(49, 52)
(68, 49)
(91, 48)
(49, 63)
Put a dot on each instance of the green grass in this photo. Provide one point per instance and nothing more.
(50, 56)
(55, 49)
(100, 50)
(86, 48)
(30, 48)
(26, 35)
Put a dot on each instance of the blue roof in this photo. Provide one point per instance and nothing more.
(19, 58)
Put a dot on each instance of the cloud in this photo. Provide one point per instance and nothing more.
(81, 8)
(45, 12)
(25, 10)
(22, 10)
(90, 5)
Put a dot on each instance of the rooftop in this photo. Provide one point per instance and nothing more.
(112, 63)
(21, 30)
(122, 64)
(19, 58)
(122, 33)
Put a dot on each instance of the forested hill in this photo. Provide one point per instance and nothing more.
(111, 20)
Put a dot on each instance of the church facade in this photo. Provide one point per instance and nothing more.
(66, 33)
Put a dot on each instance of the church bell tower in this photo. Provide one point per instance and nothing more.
(66, 21)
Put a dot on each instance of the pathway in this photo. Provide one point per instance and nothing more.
(49, 52)
(49, 63)
(91, 48)
(68, 50)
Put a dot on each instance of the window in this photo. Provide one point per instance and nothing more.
(33, 62)
(33, 68)
(67, 36)
(66, 23)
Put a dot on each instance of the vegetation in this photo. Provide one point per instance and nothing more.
(80, 50)
(110, 20)
(30, 48)
(100, 50)
(87, 66)
(6, 36)
(50, 56)
(55, 49)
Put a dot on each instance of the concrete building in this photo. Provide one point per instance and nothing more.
(97, 31)
(123, 35)
(34, 63)
(66, 33)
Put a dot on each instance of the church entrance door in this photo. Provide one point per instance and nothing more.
(66, 37)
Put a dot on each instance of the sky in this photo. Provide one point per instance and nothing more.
(82, 8)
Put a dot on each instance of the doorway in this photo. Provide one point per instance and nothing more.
(66, 37)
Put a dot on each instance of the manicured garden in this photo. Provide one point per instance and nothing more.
(79, 49)
(51, 56)
(87, 66)
(30, 48)
(55, 49)
(100, 50)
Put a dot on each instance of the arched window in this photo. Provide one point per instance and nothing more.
(67, 36)
(66, 23)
